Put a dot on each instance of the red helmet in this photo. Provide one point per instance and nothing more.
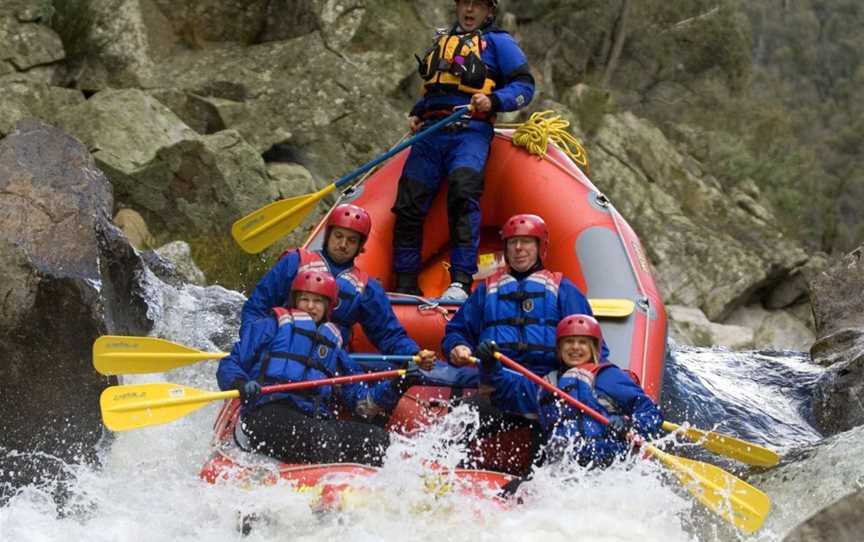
(579, 325)
(530, 226)
(317, 282)
(351, 218)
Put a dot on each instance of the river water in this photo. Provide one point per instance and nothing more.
(148, 486)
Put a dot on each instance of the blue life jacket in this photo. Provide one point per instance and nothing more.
(300, 351)
(521, 317)
(563, 422)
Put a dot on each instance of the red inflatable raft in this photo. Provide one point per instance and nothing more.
(589, 242)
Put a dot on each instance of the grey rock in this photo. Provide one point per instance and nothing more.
(23, 100)
(838, 399)
(690, 326)
(840, 521)
(27, 45)
(835, 294)
(708, 251)
(124, 129)
(180, 255)
(838, 310)
(69, 276)
(811, 477)
(779, 330)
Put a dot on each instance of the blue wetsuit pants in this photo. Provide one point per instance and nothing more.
(459, 156)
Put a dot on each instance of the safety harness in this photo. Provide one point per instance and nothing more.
(453, 64)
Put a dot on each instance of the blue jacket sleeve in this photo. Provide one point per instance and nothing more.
(572, 301)
(242, 363)
(272, 290)
(380, 323)
(515, 87)
(467, 323)
(632, 399)
(512, 392)
(365, 399)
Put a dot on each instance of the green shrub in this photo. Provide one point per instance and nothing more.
(74, 21)
(225, 264)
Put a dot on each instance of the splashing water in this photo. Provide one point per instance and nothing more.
(148, 486)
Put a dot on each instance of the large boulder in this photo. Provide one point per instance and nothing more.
(126, 40)
(838, 310)
(810, 478)
(22, 100)
(840, 521)
(777, 329)
(298, 93)
(28, 50)
(183, 183)
(67, 276)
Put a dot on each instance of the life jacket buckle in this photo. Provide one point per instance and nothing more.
(457, 125)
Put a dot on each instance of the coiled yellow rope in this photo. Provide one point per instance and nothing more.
(541, 128)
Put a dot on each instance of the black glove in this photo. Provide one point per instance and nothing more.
(619, 426)
(249, 390)
(486, 352)
(412, 378)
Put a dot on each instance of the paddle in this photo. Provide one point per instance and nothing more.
(131, 407)
(116, 355)
(729, 446)
(733, 499)
(260, 229)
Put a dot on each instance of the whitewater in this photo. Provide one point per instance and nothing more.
(148, 485)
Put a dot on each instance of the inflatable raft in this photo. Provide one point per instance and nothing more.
(590, 243)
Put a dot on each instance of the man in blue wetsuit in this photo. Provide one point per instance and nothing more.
(518, 307)
(601, 386)
(473, 62)
(361, 299)
(294, 345)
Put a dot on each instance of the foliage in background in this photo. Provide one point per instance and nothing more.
(776, 87)
(74, 21)
(225, 264)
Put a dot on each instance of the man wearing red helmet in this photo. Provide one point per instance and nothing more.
(472, 62)
(601, 386)
(361, 299)
(294, 345)
(518, 307)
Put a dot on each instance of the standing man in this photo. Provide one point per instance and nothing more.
(473, 62)
(361, 299)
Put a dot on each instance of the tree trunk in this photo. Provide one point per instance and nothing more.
(618, 44)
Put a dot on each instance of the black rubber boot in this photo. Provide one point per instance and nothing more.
(406, 283)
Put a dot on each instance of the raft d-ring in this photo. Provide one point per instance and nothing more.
(602, 200)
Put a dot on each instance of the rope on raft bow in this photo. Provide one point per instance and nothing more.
(543, 127)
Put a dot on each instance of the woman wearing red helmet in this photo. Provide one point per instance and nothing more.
(601, 386)
(361, 299)
(294, 345)
(518, 307)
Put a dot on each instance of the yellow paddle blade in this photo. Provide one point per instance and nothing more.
(733, 499)
(743, 451)
(612, 308)
(260, 229)
(131, 407)
(116, 354)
